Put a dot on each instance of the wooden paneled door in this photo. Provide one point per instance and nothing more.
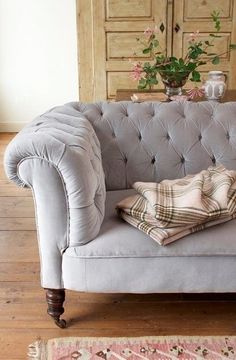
(107, 32)
(190, 16)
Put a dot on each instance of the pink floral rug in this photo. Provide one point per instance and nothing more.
(145, 348)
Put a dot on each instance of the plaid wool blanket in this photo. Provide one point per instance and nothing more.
(172, 209)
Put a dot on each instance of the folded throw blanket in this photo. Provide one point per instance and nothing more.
(172, 209)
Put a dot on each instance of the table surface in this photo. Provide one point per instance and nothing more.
(125, 94)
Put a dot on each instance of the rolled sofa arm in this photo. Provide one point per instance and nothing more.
(58, 156)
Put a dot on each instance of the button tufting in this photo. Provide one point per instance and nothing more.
(182, 160)
(213, 159)
(200, 137)
(40, 123)
(168, 136)
(227, 136)
(125, 160)
(113, 135)
(153, 160)
(140, 137)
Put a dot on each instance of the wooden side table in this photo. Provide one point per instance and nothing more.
(125, 94)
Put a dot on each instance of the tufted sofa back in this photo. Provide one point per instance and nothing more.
(156, 141)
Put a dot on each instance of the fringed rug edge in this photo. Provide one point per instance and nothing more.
(37, 350)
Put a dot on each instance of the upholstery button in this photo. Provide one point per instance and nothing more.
(227, 136)
(153, 160)
(200, 137)
(182, 160)
(40, 123)
(168, 137)
(213, 159)
(125, 160)
(113, 135)
(140, 137)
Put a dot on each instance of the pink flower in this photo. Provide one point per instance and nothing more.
(148, 32)
(194, 36)
(195, 92)
(135, 76)
(136, 73)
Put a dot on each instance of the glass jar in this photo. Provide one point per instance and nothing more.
(174, 82)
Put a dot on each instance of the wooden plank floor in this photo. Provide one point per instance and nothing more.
(23, 315)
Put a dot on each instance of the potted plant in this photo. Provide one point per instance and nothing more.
(172, 71)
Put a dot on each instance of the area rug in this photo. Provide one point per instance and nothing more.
(152, 347)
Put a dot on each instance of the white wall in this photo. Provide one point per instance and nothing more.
(38, 58)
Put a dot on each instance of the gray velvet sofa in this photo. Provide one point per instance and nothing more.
(81, 159)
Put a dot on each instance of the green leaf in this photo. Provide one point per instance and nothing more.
(232, 46)
(201, 63)
(194, 54)
(215, 36)
(142, 81)
(155, 43)
(181, 62)
(195, 76)
(215, 60)
(216, 19)
(153, 81)
(208, 43)
(146, 51)
(215, 13)
(217, 25)
(142, 84)
(191, 66)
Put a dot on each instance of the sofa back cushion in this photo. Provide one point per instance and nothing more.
(156, 141)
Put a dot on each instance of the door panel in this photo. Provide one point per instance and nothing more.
(195, 15)
(199, 10)
(128, 9)
(123, 45)
(112, 27)
(117, 81)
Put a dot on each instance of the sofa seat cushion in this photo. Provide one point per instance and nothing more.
(118, 239)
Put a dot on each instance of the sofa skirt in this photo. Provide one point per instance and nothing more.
(150, 275)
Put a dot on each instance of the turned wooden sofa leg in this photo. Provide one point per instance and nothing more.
(55, 299)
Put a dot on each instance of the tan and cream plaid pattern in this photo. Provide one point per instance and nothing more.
(172, 209)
